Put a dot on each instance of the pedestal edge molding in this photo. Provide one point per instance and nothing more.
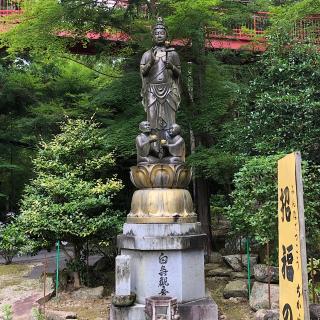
(161, 243)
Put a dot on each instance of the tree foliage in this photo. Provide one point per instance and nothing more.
(279, 111)
(254, 212)
(70, 198)
(14, 241)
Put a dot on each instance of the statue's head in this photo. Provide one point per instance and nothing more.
(145, 127)
(174, 130)
(160, 32)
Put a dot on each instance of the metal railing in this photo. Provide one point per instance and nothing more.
(251, 28)
(308, 29)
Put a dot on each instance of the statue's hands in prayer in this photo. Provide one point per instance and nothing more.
(163, 142)
(153, 138)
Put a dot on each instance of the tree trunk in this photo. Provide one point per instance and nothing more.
(201, 196)
(203, 211)
(152, 7)
(76, 273)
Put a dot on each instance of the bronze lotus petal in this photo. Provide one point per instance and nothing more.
(169, 176)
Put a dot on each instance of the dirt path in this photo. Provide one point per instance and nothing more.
(18, 290)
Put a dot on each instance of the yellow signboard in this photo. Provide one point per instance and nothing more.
(293, 277)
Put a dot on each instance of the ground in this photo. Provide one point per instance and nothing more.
(85, 309)
(18, 289)
(21, 284)
(231, 308)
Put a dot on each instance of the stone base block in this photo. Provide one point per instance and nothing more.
(136, 312)
(166, 259)
(203, 309)
(178, 274)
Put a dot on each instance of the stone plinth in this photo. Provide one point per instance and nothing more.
(164, 244)
(166, 259)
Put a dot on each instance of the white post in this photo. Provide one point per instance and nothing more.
(123, 275)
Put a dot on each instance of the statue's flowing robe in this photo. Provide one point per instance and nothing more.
(176, 147)
(145, 151)
(161, 94)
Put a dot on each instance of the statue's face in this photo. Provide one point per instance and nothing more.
(174, 130)
(145, 127)
(159, 35)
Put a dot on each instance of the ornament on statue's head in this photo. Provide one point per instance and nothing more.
(160, 25)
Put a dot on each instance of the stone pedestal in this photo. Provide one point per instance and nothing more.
(164, 244)
(166, 259)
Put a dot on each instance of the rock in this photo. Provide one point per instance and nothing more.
(238, 300)
(236, 288)
(239, 262)
(217, 279)
(264, 314)
(123, 301)
(219, 272)
(104, 264)
(60, 315)
(88, 293)
(216, 257)
(253, 261)
(259, 295)
(210, 266)
(234, 262)
(314, 311)
(261, 273)
(239, 275)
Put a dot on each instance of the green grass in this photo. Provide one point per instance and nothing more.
(9, 283)
(13, 269)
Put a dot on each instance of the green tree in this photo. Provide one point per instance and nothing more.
(209, 90)
(13, 241)
(279, 112)
(70, 197)
(254, 212)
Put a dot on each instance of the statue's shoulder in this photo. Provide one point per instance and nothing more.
(174, 55)
(146, 56)
(171, 49)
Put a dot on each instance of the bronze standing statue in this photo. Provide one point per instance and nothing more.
(160, 71)
(162, 243)
(160, 140)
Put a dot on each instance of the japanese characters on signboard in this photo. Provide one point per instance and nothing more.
(293, 299)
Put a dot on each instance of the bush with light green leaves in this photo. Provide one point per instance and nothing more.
(254, 212)
(13, 242)
(71, 196)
